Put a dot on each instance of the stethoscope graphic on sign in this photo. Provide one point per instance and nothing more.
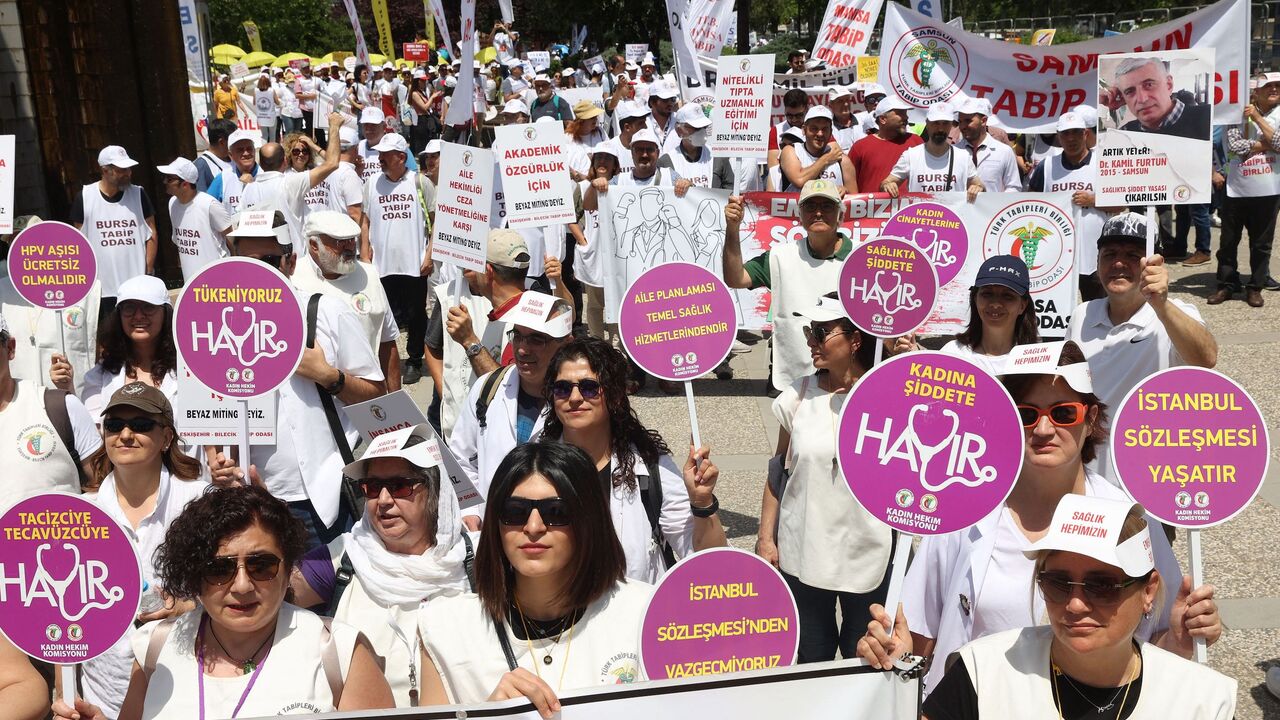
(936, 248)
(965, 449)
(91, 575)
(900, 296)
(264, 344)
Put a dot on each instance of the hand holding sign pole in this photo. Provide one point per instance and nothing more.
(52, 266)
(1191, 446)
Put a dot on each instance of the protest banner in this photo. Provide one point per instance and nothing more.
(924, 61)
(688, 75)
(8, 160)
(396, 411)
(52, 266)
(868, 68)
(678, 321)
(239, 329)
(888, 287)
(635, 52)
(540, 59)
(719, 611)
(416, 52)
(239, 70)
(538, 190)
(860, 692)
(595, 63)
(463, 208)
(70, 581)
(437, 12)
(1191, 445)
(255, 37)
(938, 231)
(845, 31)
(203, 417)
(1155, 145)
(593, 94)
(460, 113)
(740, 118)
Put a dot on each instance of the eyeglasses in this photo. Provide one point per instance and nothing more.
(398, 487)
(820, 333)
(534, 340)
(133, 307)
(272, 260)
(562, 389)
(299, 152)
(826, 208)
(138, 424)
(261, 567)
(553, 511)
(1065, 414)
(1099, 590)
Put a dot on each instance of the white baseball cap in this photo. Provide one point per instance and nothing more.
(1266, 78)
(664, 90)
(648, 60)
(632, 66)
(568, 72)
(423, 454)
(115, 156)
(632, 109)
(873, 89)
(540, 78)
(692, 115)
(1090, 526)
(939, 112)
(541, 313)
(388, 66)
(514, 63)
(643, 136)
(838, 91)
(372, 116)
(1089, 114)
(241, 135)
(392, 141)
(181, 167)
(974, 106)
(1070, 121)
(889, 104)
(347, 137)
(433, 147)
(819, 112)
(143, 288)
(828, 308)
(1042, 359)
(515, 106)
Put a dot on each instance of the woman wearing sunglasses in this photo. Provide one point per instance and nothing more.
(957, 588)
(655, 506)
(553, 610)
(246, 652)
(1095, 573)
(830, 550)
(407, 547)
(148, 481)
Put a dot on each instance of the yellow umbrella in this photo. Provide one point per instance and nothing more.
(401, 62)
(487, 55)
(377, 59)
(227, 51)
(327, 58)
(283, 60)
(258, 59)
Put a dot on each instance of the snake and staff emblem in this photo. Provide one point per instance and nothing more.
(927, 54)
(1029, 238)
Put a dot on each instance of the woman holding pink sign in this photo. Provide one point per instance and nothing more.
(958, 586)
(830, 550)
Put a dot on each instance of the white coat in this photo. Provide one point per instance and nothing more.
(479, 451)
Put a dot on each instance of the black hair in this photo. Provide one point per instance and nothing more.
(220, 130)
(794, 54)
(795, 97)
(114, 344)
(1026, 329)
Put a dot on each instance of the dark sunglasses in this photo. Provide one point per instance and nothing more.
(1064, 414)
(516, 511)
(399, 488)
(1057, 588)
(820, 333)
(299, 152)
(562, 389)
(138, 424)
(261, 567)
(272, 260)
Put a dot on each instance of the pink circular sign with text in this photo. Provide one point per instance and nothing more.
(929, 443)
(678, 321)
(719, 611)
(888, 287)
(51, 265)
(70, 580)
(1190, 444)
(937, 230)
(239, 328)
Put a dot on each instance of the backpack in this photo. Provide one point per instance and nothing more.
(488, 391)
(55, 406)
(651, 499)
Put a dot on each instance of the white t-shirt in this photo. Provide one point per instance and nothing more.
(100, 384)
(605, 650)
(1004, 603)
(197, 232)
(397, 228)
(697, 172)
(920, 171)
(993, 364)
(31, 451)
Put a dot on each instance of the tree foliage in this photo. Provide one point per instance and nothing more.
(307, 26)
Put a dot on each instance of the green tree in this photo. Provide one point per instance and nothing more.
(307, 26)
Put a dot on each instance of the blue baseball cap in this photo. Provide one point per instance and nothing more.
(1007, 271)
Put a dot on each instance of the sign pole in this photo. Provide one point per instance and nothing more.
(879, 351)
(242, 437)
(1197, 579)
(67, 673)
(693, 416)
(897, 576)
(1152, 230)
(62, 336)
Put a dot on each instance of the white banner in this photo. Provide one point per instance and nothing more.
(848, 690)
(846, 30)
(539, 190)
(708, 23)
(461, 105)
(362, 49)
(437, 11)
(8, 159)
(925, 61)
(1156, 140)
(687, 71)
(463, 209)
(593, 94)
(508, 15)
(197, 58)
(925, 7)
(744, 96)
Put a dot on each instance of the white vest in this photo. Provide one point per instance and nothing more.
(40, 333)
(1089, 221)
(1009, 672)
(372, 167)
(797, 280)
(1259, 175)
(264, 106)
(232, 190)
(833, 172)
(358, 290)
(34, 457)
(269, 188)
(197, 242)
(697, 172)
(291, 681)
(458, 375)
(321, 197)
(397, 229)
(217, 165)
(118, 234)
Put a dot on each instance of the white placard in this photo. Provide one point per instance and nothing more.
(636, 52)
(203, 417)
(534, 176)
(396, 411)
(744, 95)
(593, 94)
(8, 158)
(539, 59)
(460, 112)
(239, 70)
(463, 206)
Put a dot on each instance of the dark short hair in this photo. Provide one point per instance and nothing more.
(1019, 385)
(194, 536)
(598, 560)
(794, 54)
(795, 97)
(220, 130)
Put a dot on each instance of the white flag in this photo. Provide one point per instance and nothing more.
(461, 106)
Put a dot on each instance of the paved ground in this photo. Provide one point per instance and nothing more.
(1242, 558)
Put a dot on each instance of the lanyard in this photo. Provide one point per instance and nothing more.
(413, 655)
(200, 672)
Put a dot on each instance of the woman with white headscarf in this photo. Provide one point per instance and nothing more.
(407, 548)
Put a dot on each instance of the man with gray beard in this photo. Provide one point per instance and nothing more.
(331, 267)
